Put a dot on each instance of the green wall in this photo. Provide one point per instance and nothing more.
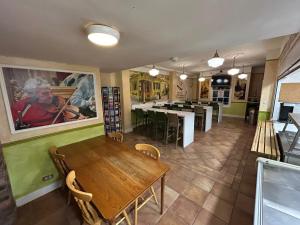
(263, 115)
(236, 109)
(28, 160)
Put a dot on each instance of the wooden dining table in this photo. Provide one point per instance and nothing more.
(113, 172)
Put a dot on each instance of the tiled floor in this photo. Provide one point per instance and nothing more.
(211, 182)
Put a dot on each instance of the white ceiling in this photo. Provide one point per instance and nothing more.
(252, 54)
(151, 30)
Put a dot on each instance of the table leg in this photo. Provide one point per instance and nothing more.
(162, 194)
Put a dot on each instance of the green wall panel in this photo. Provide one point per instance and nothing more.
(263, 115)
(236, 109)
(28, 160)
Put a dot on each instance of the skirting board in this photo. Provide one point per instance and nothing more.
(38, 193)
(235, 116)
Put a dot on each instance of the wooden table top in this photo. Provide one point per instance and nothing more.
(115, 174)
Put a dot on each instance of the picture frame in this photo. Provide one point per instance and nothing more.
(13, 80)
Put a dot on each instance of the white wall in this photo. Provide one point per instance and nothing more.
(292, 78)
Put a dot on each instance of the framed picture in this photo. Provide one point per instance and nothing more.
(145, 88)
(240, 90)
(38, 98)
(204, 89)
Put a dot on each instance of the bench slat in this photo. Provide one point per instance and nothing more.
(254, 147)
(268, 139)
(265, 141)
(276, 146)
(261, 147)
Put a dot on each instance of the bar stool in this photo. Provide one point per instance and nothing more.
(161, 121)
(139, 118)
(215, 106)
(151, 123)
(174, 127)
(199, 115)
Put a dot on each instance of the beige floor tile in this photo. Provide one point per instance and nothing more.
(204, 182)
(240, 217)
(185, 209)
(195, 194)
(224, 192)
(245, 203)
(206, 218)
(218, 207)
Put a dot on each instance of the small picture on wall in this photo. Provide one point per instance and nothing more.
(204, 89)
(240, 89)
(37, 98)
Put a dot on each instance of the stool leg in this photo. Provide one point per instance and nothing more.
(167, 135)
(177, 133)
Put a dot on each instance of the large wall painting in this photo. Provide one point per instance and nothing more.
(145, 88)
(240, 88)
(204, 89)
(38, 98)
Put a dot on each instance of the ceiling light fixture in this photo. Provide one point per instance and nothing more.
(233, 71)
(183, 76)
(215, 61)
(153, 72)
(201, 78)
(243, 75)
(103, 35)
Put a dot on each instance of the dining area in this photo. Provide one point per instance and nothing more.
(131, 179)
(176, 120)
(121, 182)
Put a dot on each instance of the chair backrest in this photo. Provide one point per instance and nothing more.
(215, 106)
(139, 113)
(116, 135)
(148, 150)
(161, 117)
(83, 199)
(151, 115)
(59, 161)
(173, 120)
(199, 110)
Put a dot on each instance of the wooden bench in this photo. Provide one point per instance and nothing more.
(265, 141)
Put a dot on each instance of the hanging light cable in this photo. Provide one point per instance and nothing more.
(243, 75)
(233, 71)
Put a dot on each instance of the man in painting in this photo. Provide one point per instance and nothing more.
(38, 107)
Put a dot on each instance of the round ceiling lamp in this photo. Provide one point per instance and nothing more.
(243, 75)
(153, 72)
(103, 35)
(183, 76)
(233, 71)
(201, 79)
(215, 61)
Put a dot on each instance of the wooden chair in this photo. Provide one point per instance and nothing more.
(117, 136)
(148, 150)
(152, 152)
(58, 160)
(83, 199)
